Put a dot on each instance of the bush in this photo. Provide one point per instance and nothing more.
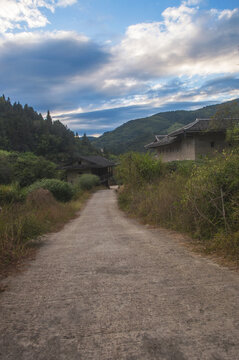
(87, 182)
(183, 167)
(39, 198)
(211, 196)
(29, 168)
(25, 168)
(135, 169)
(61, 190)
(6, 170)
(10, 193)
(200, 198)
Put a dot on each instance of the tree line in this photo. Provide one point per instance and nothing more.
(22, 129)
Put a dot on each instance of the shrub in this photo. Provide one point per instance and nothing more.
(87, 182)
(39, 198)
(6, 170)
(183, 167)
(200, 198)
(135, 169)
(29, 168)
(211, 195)
(61, 190)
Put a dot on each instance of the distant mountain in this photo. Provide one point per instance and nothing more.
(134, 134)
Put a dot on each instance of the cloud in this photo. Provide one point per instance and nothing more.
(220, 85)
(192, 2)
(65, 3)
(15, 14)
(188, 41)
(190, 57)
(49, 66)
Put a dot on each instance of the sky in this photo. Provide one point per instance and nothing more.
(95, 64)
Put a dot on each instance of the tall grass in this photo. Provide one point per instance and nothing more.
(22, 222)
(201, 199)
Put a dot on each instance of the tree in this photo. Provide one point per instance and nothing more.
(49, 119)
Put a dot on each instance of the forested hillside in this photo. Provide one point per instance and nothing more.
(24, 130)
(133, 135)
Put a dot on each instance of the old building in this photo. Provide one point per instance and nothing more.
(203, 137)
(97, 165)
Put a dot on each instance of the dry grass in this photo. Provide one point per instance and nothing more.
(22, 222)
(161, 204)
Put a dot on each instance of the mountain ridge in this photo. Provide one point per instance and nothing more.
(134, 134)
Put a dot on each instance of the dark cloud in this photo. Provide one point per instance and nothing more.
(172, 87)
(51, 60)
(105, 120)
(220, 85)
(30, 71)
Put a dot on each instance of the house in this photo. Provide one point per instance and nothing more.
(203, 137)
(93, 164)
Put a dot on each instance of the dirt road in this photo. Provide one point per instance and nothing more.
(106, 287)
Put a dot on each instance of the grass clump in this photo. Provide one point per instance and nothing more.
(10, 193)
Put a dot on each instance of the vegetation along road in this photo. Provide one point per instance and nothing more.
(106, 287)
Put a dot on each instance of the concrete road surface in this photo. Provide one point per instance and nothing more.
(107, 288)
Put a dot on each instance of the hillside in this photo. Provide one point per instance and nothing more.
(133, 135)
(22, 129)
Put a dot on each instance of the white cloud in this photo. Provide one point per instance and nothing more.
(15, 14)
(192, 2)
(65, 3)
(188, 41)
(187, 44)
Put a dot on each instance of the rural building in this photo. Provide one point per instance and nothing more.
(203, 137)
(93, 164)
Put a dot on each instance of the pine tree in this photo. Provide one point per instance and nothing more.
(49, 119)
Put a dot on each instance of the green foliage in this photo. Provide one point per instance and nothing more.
(87, 182)
(183, 167)
(28, 168)
(229, 110)
(24, 130)
(6, 168)
(174, 127)
(210, 195)
(233, 136)
(135, 168)
(201, 198)
(10, 194)
(25, 168)
(61, 190)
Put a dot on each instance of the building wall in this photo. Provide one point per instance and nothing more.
(191, 147)
(184, 149)
(209, 144)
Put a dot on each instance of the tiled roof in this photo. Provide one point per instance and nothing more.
(166, 140)
(94, 161)
(205, 125)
